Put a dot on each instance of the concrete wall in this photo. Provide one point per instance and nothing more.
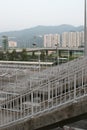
(59, 116)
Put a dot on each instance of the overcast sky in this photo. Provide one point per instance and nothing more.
(21, 14)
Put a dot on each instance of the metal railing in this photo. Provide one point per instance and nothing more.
(46, 90)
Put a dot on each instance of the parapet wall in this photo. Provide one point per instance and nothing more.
(60, 114)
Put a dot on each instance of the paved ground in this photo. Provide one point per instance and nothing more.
(80, 124)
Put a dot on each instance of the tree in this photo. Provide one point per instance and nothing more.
(7, 55)
(23, 55)
(1, 56)
(13, 55)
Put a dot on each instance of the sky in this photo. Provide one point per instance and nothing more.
(22, 14)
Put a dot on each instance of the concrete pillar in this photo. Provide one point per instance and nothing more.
(60, 53)
(70, 53)
(33, 53)
(46, 52)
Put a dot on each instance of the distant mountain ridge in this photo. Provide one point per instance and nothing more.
(29, 34)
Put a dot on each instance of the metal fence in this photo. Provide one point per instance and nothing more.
(43, 91)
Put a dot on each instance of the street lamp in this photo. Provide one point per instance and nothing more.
(57, 45)
(34, 44)
(68, 52)
(39, 59)
(85, 28)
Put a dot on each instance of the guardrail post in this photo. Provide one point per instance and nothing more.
(82, 78)
(32, 112)
(21, 105)
(48, 90)
(75, 87)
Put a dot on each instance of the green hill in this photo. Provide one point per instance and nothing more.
(35, 34)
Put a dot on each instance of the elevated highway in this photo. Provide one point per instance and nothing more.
(50, 49)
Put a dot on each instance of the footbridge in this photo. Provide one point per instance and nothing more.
(32, 99)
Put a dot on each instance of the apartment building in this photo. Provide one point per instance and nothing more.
(50, 40)
(67, 39)
(72, 39)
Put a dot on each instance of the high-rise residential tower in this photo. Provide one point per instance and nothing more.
(51, 39)
(72, 39)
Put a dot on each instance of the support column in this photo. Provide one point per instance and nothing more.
(32, 103)
(46, 52)
(75, 88)
(70, 53)
(85, 29)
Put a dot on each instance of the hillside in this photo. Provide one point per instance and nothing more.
(31, 35)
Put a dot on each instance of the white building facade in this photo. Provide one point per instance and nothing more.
(50, 40)
(66, 39)
(72, 39)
